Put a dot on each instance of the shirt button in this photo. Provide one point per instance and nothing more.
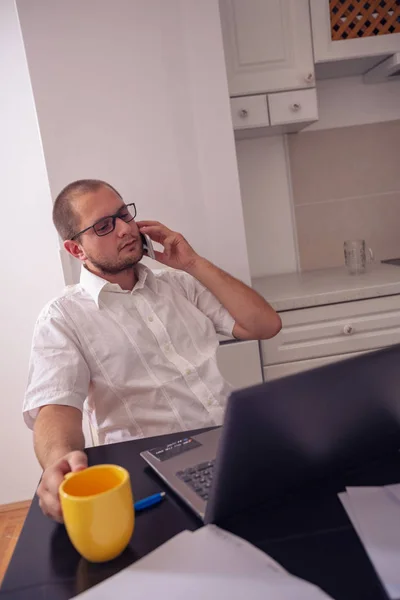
(151, 319)
(167, 348)
(188, 372)
(210, 401)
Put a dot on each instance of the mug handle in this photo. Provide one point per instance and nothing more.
(371, 255)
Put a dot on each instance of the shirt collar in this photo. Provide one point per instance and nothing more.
(94, 285)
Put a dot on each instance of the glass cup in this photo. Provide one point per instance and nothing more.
(355, 256)
(98, 511)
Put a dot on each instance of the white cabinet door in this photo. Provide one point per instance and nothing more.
(285, 369)
(240, 363)
(325, 49)
(267, 45)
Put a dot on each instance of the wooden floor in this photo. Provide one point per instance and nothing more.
(12, 517)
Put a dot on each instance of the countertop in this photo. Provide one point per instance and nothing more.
(327, 286)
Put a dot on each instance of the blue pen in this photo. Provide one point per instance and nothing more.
(149, 501)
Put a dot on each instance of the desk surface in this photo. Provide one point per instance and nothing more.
(309, 534)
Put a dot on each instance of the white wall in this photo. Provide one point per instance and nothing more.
(135, 92)
(30, 268)
(267, 205)
(264, 169)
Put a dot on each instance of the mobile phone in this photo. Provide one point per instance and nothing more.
(147, 246)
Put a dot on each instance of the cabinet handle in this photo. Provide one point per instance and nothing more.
(295, 107)
(243, 113)
(309, 78)
(348, 329)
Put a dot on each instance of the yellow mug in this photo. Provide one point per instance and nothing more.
(97, 506)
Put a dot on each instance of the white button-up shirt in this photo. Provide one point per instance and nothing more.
(143, 361)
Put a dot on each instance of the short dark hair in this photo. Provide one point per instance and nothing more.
(65, 217)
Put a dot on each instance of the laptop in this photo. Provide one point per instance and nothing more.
(282, 434)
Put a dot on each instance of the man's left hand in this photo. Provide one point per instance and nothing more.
(178, 253)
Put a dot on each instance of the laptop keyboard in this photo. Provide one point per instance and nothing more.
(199, 478)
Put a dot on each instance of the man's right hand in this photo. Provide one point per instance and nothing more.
(52, 478)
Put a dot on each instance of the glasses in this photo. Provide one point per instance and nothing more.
(107, 224)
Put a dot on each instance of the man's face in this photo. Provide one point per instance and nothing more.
(112, 253)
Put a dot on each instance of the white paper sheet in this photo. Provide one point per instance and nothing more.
(375, 514)
(210, 550)
(345, 500)
(208, 563)
(394, 490)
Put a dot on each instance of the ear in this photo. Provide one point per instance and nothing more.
(75, 249)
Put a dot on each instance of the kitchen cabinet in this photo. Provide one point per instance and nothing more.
(299, 106)
(267, 45)
(240, 363)
(269, 114)
(320, 335)
(249, 112)
(374, 25)
(290, 368)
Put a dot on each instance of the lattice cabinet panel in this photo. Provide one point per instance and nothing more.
(355, 19)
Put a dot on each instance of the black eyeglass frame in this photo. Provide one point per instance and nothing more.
(113, 217)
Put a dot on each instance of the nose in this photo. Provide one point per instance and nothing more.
(122, 228)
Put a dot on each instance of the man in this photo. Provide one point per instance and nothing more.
(137, 346)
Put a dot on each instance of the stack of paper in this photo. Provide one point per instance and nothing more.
(375, 514)
(207, 563)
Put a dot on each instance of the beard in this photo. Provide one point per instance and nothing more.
(108, 267)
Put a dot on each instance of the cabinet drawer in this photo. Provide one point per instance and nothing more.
(334, 329)
(290, 368)
(249, 111)
(293, 107)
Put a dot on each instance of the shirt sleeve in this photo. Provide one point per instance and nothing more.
(58, 373)
(204, 300)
